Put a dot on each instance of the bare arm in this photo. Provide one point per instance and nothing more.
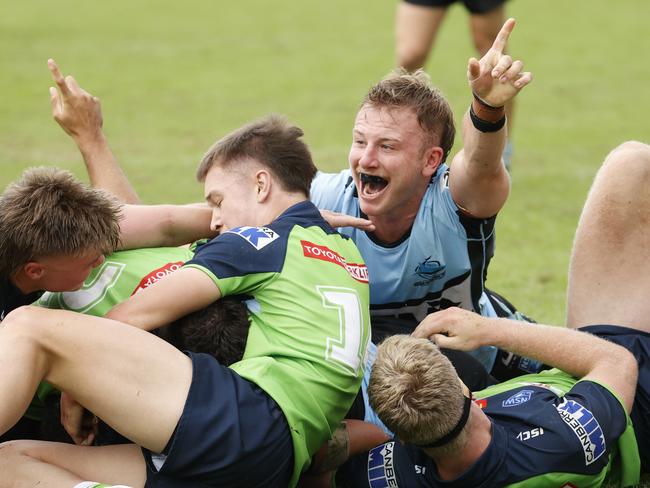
(478, 180)
(163, 225)
(80, 115)
(580, 354)
(174, 296)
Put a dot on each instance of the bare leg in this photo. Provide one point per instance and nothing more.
(609, 273)
(415, 30)
(134, 381)
(48, 464)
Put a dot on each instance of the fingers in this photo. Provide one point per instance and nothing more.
(432, 324)
(57, 76)
(524, 78)
(501, 40)
(502, 66)
(473, 69)
(54, 99)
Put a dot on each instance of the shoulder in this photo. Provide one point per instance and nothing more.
(331, 190)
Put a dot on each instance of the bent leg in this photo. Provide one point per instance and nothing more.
(416, 27)
(134, 381)
(50, 464)
(609, 272)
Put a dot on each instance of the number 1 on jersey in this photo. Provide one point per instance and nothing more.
(345, 349)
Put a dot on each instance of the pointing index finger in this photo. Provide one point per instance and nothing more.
(501, 40)
(58, 77)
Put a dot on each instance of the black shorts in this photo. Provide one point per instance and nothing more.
(231, 434)
(638, 343)
(474, 6)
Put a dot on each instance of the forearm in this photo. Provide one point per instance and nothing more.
(103, 169)
(483, 149)
(574, 352)
(163, 225)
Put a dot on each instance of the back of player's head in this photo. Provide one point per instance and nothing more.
(401, 89)
(47, 212)
(272, 142)
(220, 329)
(416, 392)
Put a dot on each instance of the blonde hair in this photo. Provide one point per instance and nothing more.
(416, 392)
(415, 91)
(47, 212)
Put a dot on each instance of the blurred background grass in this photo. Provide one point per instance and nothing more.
(174, 76)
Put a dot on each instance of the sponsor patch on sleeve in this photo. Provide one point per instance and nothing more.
(586, 428)
(358, 271)
(518, 398)
(258, 237)
(156, 275)
(381, 472)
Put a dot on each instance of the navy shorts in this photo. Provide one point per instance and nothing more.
(638, 343)
(474, 6)
(231, 434)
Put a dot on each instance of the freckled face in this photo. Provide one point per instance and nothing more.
(68, 273)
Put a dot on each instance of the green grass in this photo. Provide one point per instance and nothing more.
(174, 76)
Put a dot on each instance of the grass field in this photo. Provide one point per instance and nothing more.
(174, 76)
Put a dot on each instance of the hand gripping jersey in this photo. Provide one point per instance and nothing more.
(548, 430)
(442, 262)
(310, 326)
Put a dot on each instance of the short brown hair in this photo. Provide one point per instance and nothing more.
(272, 142)
(416, 392)
(47, 212)
(415, 91)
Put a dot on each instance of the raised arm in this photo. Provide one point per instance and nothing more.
(170, 298)
(580, 354)
(80, 115)
(478, 180)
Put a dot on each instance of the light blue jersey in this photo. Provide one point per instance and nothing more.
(442, 262)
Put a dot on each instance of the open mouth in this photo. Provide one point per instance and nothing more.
(371, 185)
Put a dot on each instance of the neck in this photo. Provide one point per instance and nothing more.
(24, 284)
(451, 466)
(282, 203)
(390, 229)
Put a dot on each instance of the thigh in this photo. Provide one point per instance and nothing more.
(609, 272)
(34, 461)
(485, 21)
(134, 381)
(416, 26)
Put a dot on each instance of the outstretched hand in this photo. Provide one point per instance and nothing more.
(336, 219)
(496, 78)
(454, 328)
(77, 112)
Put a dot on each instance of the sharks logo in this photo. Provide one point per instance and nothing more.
(429, 270)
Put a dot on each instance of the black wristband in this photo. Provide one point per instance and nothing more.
(484, 125)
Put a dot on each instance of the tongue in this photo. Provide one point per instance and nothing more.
(374, 186)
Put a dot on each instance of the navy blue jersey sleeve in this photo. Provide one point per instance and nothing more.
(243, 251)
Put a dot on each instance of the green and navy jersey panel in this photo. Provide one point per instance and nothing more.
(123, 273)
(308, 304)
(442, 262)
(547, 431)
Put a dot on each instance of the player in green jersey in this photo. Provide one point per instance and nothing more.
(302, 364)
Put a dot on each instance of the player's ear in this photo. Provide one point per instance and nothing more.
(263, 181)
(33, 270)
(433, 159)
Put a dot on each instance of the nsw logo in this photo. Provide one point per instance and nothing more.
(429, 270)
(586, 428)
(381, 471)
(518, 398)
(258, 237)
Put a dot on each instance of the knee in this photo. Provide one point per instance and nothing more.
(411, 57)
(629, 164)
(21, 322)
(13, 450)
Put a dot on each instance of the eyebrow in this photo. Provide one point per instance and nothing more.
(211, 197)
